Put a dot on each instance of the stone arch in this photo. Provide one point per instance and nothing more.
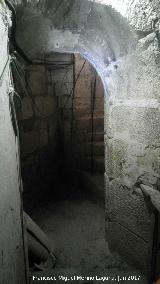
(97, 31)
(123, 59)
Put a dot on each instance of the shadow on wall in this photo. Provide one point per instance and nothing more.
(61, 122)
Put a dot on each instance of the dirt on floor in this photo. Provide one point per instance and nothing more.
(76, 223)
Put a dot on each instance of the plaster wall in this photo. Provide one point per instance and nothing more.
(12, 266)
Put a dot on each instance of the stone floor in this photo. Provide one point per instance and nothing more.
(76, 224)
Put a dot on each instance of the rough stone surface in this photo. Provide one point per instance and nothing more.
(129, 240)
(140, 13)
(133, 146)
(76, 33)
(123, 199)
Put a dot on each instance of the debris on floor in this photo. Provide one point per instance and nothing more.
(40, 247)
(76, 225)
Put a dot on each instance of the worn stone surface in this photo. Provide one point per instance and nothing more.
(125, 205)
(132, 242)
(141, 14)
(136, 77)
(76, 33)
(133, 146)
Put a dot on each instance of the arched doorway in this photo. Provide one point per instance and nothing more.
(63, 183)
(61, 127)
(130, 105)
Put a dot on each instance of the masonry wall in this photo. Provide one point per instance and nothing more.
(83, 119)
(133, 149)
(53, 114)
(37, 119)
(12, 262)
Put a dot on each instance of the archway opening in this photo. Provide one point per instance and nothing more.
(61, 127)
(97, 35)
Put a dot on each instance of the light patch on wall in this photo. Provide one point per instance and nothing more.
(59, 39)
(119, 5)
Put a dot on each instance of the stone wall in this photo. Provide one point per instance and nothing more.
(133, 148)
(37, 116)
(38, 121)
(77, 121)
(12, 260)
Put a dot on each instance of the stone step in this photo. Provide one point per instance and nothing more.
(86, 123)
(97, 136)
(86, 164)
(97, 148)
